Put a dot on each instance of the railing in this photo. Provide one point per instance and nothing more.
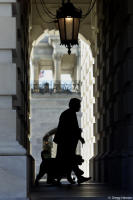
(57, 88)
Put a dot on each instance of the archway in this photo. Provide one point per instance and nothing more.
(61, 92)
(84, 76)
(15, 113)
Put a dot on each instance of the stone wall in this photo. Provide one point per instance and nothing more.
(88, 120)
(114, 161)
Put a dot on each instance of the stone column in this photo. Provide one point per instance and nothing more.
(14, 106)
(77, 73)
(36, 71)
(36, 76)
(57, 70)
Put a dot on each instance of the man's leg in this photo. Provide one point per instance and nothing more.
(78, 172)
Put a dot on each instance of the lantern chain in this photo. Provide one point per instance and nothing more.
(92, 3)
(40, 15)
(46, 9)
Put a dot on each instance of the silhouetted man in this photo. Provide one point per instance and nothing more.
(67, 136)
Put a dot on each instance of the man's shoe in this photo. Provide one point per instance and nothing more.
(83, 179)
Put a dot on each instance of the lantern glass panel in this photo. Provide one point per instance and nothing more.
(69, 28)
(76, 28)
(62, 28)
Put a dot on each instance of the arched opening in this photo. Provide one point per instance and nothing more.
(73, 77)
(108, 27)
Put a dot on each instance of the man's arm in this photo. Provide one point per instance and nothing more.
(81, 138)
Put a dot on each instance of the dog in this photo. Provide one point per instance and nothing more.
(52, 168)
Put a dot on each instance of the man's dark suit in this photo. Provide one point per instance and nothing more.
(67, 136)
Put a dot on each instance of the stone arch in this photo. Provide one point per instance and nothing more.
(82, 36)
(87, 45)
(47, 32)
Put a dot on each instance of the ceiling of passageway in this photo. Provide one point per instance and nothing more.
(38, 26)
(59, 1)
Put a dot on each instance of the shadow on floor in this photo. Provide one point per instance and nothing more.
(66, 191)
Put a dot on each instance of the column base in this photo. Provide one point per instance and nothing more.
(92, 168)
(13, 148)
(14, 176)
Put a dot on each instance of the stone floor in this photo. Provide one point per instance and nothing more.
(77, 192)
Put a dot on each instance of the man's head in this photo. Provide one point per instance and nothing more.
(74, 104)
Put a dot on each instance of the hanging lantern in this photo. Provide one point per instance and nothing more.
(68, 22)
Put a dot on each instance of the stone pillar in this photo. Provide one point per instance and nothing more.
(36, 75)
(14, 104)
(77, 73)
(74, 70)
(36, 72)
(57, 71)
(74, 74)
